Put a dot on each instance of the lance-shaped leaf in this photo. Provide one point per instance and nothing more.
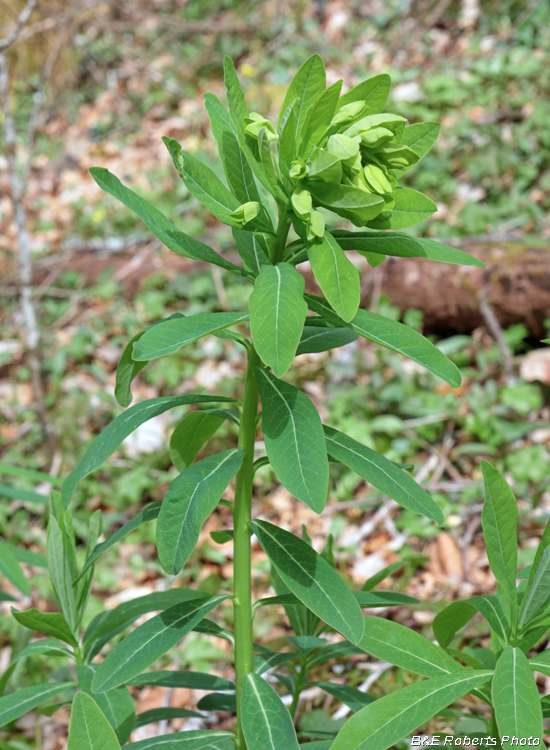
(318, 118)
(237, 170)
(62, 568)
(456, 615)
(45, 646)
(349, 202)
(89, 728)
(321, 339)
(161, 227)
(294, 440)
(252, 249)
(127, 368)
(265, 719)
(516, 697)
(195, 739)
(169, 335)
(267, 660)
(51, 623)
(382, 473)
(218, 702)
(277, 314)
(194, 430)
(531, 570)
(112, 436)
(403, 246)
(26, 496)
(411, 207)
(16, 704)
(149, 513)
(203, 184)
(420, 136)
(377, 578)
(336, 275)
(310, 578)
(355, 699)
(165, 714)
(334, 651)
(406, 648)
(538, 593)
(306, 87)
(392, 717)
(109, 623)
(190, 499)
(395, 336)
(150, 641)
(375, 599)
(499, 519)
(117, 705)
(182, 678)
(374, 92)
(10, 568)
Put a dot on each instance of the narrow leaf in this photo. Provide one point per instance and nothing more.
(516, 697)
(420, 137)
(252, 249)
(306, 86)
(318, 339)
(112, 436)
(374, 92)
(266, 721)
(294, 440)
(349, 696)
(318, 118)
(46, 646)
(277, 315)
(411, 207)
(150, 641)
(195, 739)
(51, 623)
(386, 572)
(116, 705)
(190, 435)
(311, 579)
(16, 704)
(181, 679)
(161, 227)
(382, 473)
(164, 714)
(392, 717)
(11, 570)
(61, 571)
(25, 496)
(190, 499)
(456, 615)
(395, 336)
(334, 651)
(89, 729)
(336, 275)
(538, 593)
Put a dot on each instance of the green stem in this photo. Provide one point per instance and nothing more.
(279, 243)
(493, 728)
(298, 685)
(242, 600)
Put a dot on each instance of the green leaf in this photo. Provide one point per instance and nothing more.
(499, 520)
(411, 207)
(269, 166)
(237, 170)
(89, 729)
(349, 202)
(307, 86)
(306, 643)
(420, 137)
(395, 336)
(149, 513)
(161, 227)
(294, 440)
(11, 570)
(382, 473)
(319, 339)
(277, 314)
(196, 739)
(25, 496)
(265, 719)
(194, 430)
(374, 92)
(334, 651)
(164, 714)
(169, 335)
(406, 648)
(46, 646)
(116, 705)
(181, 679)
(267, 660)
(62, 572)
(336, 275)
(108, 622)
(36, 559)
(150, 641)
(392, 717)
(318, 118)
(311, 579)
(112, 436)
(349, 696)
(37, 476)
(457, 614)
(252, 249)
(218, 702)
(537, 594)
(190, 499)
(51, 623)
(16, 704)
(516, 697)
(403, 246)
(287, 141)
(374, 599)
(386, 572)
(532, 570)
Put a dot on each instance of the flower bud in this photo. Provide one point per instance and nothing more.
(246, 212)
(302, 203)
(343, 148)
(376, 179)
(255, 122)
(397, 157)
(348, 113)
(298, 169)
(376, 137)
(315, 227)
(385, 120)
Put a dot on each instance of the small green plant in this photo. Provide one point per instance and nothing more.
(330, 158)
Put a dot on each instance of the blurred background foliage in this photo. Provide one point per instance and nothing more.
(123, 74)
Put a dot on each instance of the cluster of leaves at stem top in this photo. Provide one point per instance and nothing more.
(330, 157)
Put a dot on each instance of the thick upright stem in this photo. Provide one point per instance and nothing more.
(241, 536)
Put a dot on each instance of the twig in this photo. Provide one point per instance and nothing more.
(494, 327)
(24, 16)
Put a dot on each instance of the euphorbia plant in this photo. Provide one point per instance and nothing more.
(330, 158)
